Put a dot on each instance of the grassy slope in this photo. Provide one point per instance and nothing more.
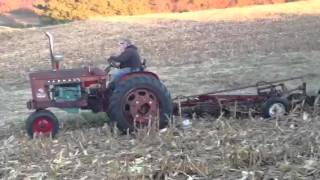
(192, 52)
(232, 14)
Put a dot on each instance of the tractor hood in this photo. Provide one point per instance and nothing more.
(66, 73)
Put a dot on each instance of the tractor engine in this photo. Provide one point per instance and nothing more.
(68, 89)
(66, 92)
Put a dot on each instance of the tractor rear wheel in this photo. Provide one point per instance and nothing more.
(42, 122)
(139, 102)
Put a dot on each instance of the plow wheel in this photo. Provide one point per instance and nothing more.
(139, 101)
(275, 107)
(42, 122)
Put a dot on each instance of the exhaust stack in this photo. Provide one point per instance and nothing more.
(55, 59)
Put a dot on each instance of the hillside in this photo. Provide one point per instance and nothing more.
(192, 53)
(274, 11)
(159, 6)
(20, 13)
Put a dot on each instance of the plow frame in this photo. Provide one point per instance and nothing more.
(217, 102)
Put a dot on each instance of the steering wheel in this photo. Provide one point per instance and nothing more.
(112, 64)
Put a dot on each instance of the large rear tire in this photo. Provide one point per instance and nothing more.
(139, 101)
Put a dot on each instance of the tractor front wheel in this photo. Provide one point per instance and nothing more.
(42, 122)
(139, 102)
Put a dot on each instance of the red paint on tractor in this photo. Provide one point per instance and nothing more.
(137, 74)
(43, 125)
(89, 83)
(42, 80)
(141, 105)
(57, 66)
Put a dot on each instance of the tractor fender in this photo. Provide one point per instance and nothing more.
(138, 74)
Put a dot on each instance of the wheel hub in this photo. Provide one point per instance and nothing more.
(43, 126)
(277, 110)
(141, 105)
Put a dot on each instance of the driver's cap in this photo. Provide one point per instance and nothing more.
(126, 42)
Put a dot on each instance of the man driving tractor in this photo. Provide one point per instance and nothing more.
(128, 61)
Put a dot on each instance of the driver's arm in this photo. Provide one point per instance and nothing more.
(123, 57)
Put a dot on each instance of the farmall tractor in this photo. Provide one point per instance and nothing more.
(139, 98)
(136, 100)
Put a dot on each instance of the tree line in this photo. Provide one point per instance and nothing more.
(84, 9)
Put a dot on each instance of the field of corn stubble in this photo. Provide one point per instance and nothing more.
(190, 57)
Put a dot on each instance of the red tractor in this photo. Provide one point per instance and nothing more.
(138, 99)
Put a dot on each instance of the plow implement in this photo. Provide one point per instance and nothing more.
(271, 99)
